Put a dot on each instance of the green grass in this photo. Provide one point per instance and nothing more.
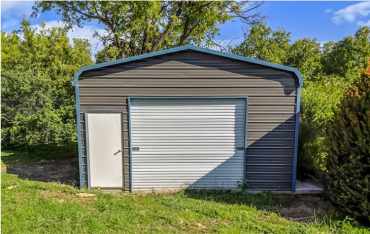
(38, 207)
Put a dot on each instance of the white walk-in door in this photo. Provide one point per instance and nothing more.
(104, 150)
(187, 142)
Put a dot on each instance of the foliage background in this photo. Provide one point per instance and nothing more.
(348, 141)
(38, 64)
(37, 97)
(328, 71)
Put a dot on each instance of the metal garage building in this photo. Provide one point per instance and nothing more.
(187, 117)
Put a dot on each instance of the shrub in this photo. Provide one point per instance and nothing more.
(319, 100)
(37, 101)
(348, 142)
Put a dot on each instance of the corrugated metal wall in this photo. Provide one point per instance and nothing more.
(185, 142)
(83, 163)
(271, 102)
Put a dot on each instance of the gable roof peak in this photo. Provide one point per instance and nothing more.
(192, 47)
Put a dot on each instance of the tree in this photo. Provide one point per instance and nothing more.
(305, 55)
(264, 43)
(37, 97)
(348, 141)
(134, 28)
(348, 55)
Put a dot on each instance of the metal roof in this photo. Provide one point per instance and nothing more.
(193, 48)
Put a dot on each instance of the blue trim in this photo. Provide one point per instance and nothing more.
(87, 152)
(129, 141)
(79, 145)
(296, 139)
(245, 141)
(193, 48)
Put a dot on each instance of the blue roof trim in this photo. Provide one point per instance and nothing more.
(194, 48)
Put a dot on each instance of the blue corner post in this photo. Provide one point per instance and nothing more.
(296, 135)
(75, 83)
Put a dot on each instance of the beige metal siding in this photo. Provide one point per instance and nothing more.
(271, 101)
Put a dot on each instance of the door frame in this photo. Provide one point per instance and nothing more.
(88, 150)
(244, 98)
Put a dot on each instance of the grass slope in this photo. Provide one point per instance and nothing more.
(38, 207)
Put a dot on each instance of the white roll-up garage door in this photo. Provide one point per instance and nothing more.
(182, 142)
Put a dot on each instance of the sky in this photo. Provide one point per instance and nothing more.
(324, 21)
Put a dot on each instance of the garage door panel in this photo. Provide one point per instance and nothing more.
(187, 143)
(184, 126)
(185, 148)
(187, 166)
(169, 157)
(150, 182)
(183, 121)
(225, 153)
(188, 128)
(183, 102)
(192, 138)
(161, 161)
(200, 131)
(193, 112)
(199, 184)
(205, 110)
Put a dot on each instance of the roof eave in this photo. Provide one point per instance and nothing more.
(295, 71)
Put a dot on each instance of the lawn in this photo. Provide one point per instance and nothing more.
(39, 207)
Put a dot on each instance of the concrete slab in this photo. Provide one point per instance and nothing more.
(308, 187)
(302, 187)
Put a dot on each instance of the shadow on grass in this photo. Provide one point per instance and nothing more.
(38, 153)
(47, 163)
(296, 207)
(263, 201)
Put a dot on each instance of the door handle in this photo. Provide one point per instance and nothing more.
(118, 151)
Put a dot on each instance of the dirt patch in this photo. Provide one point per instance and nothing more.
(62, 171)
(56, 195)
(62, 197)
(305, 207)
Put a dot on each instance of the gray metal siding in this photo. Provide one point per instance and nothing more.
(201, 91)
(254, 82)
(195, 64)
(187, 142)
(271, 102)
(111, 107)
(125, 145)
(83, 163)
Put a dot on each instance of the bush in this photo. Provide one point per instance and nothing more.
(348, 142)
(319, 100)
(37, 101)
